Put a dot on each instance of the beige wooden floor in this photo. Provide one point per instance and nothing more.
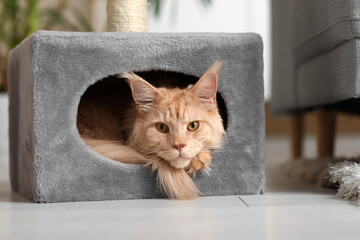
(289, 210)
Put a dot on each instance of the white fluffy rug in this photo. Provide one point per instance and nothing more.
(342, 173)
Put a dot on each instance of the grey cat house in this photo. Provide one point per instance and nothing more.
(50, 72)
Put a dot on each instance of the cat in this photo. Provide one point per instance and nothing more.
(171, 130)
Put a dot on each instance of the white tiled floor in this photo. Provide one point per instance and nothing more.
(289, 210)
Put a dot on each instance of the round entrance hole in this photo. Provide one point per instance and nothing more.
(108, 100)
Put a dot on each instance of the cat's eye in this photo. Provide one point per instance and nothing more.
(193, 126)
(161, 127)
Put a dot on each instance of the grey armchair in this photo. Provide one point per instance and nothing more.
(316, 64)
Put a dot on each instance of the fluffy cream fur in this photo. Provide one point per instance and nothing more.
(144, 144)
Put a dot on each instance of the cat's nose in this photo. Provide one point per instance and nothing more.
(179, 147)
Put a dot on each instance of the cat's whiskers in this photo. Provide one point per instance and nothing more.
(205, 150)
(144, 151)
(209, 148)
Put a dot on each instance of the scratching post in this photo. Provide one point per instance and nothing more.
(127, 15)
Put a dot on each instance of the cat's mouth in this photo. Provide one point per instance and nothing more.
(180, 162)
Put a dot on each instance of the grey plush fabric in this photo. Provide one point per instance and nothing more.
(306, 34)
(49, 72)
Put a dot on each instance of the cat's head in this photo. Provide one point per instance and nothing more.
(176, 124)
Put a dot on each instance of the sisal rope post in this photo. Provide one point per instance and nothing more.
(127, 15)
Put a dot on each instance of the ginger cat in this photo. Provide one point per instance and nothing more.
(170, 130)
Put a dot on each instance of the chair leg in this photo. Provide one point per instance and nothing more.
(296, 135)
(325, 132)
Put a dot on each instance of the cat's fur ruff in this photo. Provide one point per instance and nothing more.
(142, 143)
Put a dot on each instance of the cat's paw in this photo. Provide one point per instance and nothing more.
(200, 162)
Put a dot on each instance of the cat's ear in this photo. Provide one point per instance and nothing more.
(206, 87)
(143, 92)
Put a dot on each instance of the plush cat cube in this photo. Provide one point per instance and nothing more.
(49, 73)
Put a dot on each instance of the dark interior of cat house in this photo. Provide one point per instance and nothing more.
(109, 100)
